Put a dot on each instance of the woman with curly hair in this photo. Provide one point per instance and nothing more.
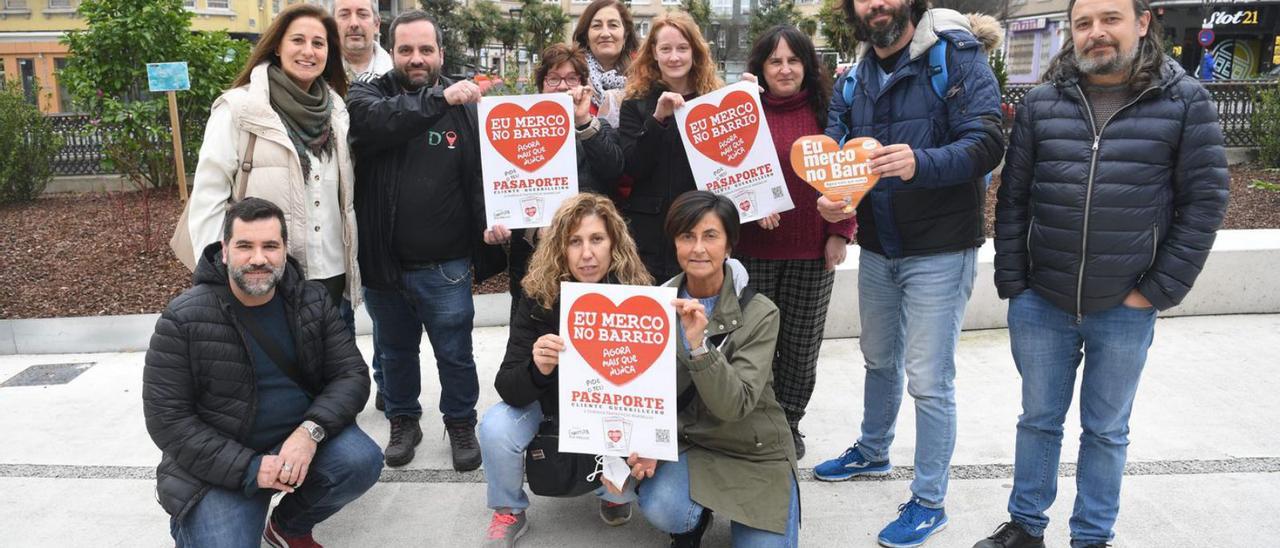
(674, 66)
(586, 242)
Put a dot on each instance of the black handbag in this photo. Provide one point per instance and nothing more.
(551, 473)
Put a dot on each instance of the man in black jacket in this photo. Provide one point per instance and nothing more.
(420, 207)
(251, 386)
(1114, 187)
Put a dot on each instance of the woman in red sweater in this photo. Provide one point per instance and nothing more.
(791, 256)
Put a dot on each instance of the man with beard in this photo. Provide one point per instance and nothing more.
(420, 209)
(919, 229)
(358, 22)
(251, 386)
(1114, 188)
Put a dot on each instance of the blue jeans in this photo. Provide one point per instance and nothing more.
(504, 433)
(665, 501)
(911, 310)
(343, 469)
(439, 299)
(1047, 349)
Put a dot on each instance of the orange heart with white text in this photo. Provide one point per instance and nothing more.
(528, 138)
(724, 133)
(619, 342)
(838, 173)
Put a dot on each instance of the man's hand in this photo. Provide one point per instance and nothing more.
(546, 353)
(668, 102)
(461, 93)
(581, 105)
(835, 251)
(893, 161)
(693, 317)
(295, 457)
(771, 222)
(1136, 300)
(833, 211)
(269, 474)
(497, 234)
(641, 468)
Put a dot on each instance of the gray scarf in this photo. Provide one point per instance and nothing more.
(603, 80)
(305, 114)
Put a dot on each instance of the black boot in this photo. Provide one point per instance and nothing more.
(1010, 535)
(406, 434)
(462, 440)
(693, 539)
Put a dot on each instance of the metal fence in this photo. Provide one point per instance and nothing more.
(1233, 98)
(81, 152)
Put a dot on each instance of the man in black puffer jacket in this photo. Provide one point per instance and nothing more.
(1114, 188)
(252, 384)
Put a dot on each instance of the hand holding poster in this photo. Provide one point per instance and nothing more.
(839, 173)
(528, 158)
(731, 151)
(618, 370)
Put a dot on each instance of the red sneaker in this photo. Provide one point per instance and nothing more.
(504, 529)
(276, 538)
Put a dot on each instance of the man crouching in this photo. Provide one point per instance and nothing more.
(251, 386)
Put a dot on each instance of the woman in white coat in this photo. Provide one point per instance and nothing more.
(287, 103)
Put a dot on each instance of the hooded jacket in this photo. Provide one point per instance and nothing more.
(956, 139)
(1083, 220)
(199, 392)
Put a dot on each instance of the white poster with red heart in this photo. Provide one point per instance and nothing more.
(528, 157)
(618, 370)
(731, 151)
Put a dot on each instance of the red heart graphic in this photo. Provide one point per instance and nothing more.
(724, 133)
(530, 211)
(528, 138)
(745, 205)
(619, 342)
(615, 435)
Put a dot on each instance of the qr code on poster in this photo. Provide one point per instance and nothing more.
(661, 435)
(777, 192)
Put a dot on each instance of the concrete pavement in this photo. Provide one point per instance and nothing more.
(76, 464)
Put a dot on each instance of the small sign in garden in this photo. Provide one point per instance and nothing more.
(170, 78)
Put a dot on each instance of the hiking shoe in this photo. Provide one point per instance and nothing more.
(850, 464)
(915, 524)
(504, 529)
(462, 440)
(1097, 545)
(615, 514)
(1010, 535)
(693, 539)
(275, 538)
(378, 403)
(406, 434)
(798, 439)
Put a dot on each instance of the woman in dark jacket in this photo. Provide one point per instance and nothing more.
(674, 66)
(564, 70)
(586, 242)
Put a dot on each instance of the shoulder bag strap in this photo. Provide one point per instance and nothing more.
(246, 166)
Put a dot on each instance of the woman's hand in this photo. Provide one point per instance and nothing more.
(497, 234)
(693, 317)
(581, 105)
(668, 102)
(546, 353)
(641, 468)
(835, 251)
(771, 222)
(833, 211)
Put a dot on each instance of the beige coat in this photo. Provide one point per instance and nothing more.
(276, 175)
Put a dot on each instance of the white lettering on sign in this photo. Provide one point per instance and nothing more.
(1239, 17)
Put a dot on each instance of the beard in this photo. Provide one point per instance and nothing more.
(413, 84)
(887, 35)
(1110, 64)
(256, 288)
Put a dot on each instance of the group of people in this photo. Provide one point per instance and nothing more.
(334, 161)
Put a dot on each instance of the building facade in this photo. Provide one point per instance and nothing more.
(1242, 35)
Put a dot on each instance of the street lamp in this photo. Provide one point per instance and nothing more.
(515, 13)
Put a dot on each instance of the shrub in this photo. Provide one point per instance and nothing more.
(28, 145)
(1266, 124)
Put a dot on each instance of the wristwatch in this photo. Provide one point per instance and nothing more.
(314, 430)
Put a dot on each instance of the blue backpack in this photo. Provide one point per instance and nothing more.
(938, 76)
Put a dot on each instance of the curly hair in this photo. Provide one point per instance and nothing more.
(645, 74)
(557, 54)
(550, 266)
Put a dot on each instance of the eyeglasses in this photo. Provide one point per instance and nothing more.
(553, 80)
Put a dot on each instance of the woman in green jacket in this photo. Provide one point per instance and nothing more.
(736, 454)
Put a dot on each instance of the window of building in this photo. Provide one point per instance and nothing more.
(742, 39)
(671, 2)
(218, 4)
(60, 4)
(27, 72)
(2, 78)
(15, 4)
(64, 96)
(189, 4)
(720, 37)
(1020, 55)
(722, 7)
(642, 28)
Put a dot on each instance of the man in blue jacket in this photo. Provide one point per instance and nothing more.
(1114, 188)
(919, 230)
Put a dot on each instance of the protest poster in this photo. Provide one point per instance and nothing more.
(731, 151)
(618, 370)
(528, 158)
(839, 173)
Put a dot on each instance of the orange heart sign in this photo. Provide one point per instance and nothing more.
(725, 132)
(528, 138)
(838, 173)
(619, 342)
